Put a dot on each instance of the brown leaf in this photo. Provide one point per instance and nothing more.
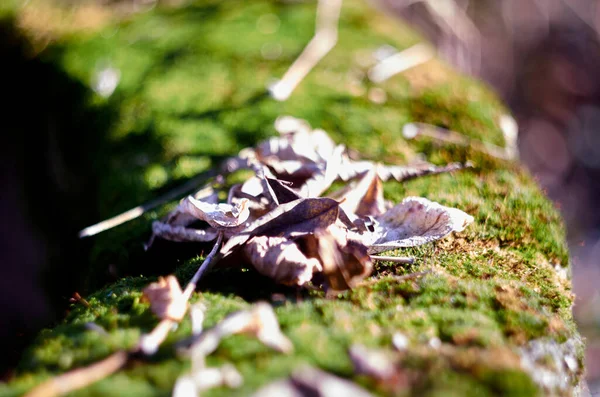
(280, 191)
(293, 219)
(364, 198)
(345, 261)
(217, 215)
(166, 298)
(281, 260)
(415, 221)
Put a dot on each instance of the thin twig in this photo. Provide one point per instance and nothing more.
(395, 259)
(81, 377)
(191, 286)
(325, 38)
(413, 130)
(141, 209)
(406, 277)
(148, 344)
(400, 61)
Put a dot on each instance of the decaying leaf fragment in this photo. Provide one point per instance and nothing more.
(260, 321)
(380, 366)
(345, 261)
(166, 298)
(415, 221)
(281, 260)
(312, 382)
(191, 384)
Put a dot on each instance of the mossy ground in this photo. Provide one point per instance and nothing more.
(192, 91)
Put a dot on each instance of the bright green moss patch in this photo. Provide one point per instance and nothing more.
(192, 92)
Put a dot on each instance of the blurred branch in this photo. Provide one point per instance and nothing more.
(325, 38)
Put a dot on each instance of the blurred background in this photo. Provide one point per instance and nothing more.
(542, 57)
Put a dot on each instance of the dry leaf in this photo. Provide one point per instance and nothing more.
(293, 219)
(365, 198)
(166, 298)
(280, 191)
(415, 221)
(312, 382)
(345, 261)
(182, 233)
(281, 260)
(217, 215)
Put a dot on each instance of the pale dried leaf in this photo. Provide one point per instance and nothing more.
(217, 215)
(182, 233)
(365, 198)
(166, 298)
(281, 260)
(192, 384)
(415, 221)
(312, 382)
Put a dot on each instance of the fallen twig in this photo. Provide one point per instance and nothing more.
(325, 38)
(400, 61)
(148, 345)
(395, 259)
(412, 130)
(141, 209)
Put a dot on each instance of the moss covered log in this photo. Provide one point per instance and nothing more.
(492, 318)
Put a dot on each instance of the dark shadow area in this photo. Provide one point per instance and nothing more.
(51, 154)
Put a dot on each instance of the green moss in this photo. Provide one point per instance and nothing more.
(192, 91)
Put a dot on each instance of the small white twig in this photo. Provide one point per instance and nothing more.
(141, 209)
(395, 259)
(401, 61)
(325, 38)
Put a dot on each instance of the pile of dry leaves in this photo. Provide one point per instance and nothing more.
(286, 223)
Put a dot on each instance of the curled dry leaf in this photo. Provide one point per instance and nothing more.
(217, 215)
(281, 260)
(345, 261)
(166, 298)
(415, 221)
(312, 382)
